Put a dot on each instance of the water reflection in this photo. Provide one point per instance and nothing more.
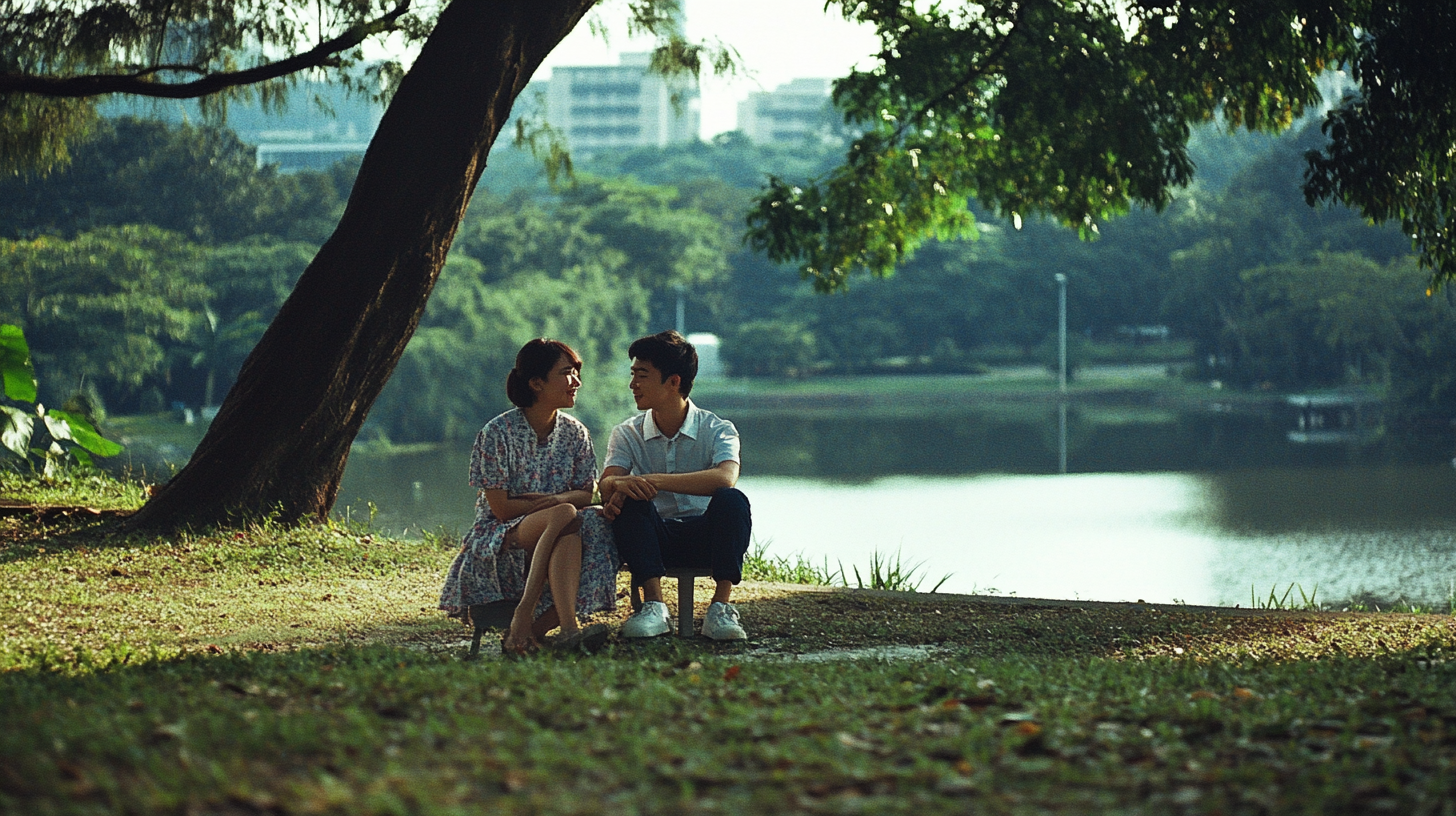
(1328, 500)
(1025, 439)
(1157, 537)
(1158, 504)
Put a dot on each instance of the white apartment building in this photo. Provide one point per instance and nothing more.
(789, 113)
(611, 106)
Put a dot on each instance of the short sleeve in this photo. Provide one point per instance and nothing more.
(725, 442)
(619, 449)
(489, 460)
(584, 463)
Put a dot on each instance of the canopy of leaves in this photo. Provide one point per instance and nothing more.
(106, 304)
(1075, 109)
(200, 181)
(521, 271)
(57, 57)
(1392, 150)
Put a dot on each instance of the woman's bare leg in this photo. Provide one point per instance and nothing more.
(537, 534)
(565, 577)
(551, 618)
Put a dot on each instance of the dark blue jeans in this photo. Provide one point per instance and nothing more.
(649, 543)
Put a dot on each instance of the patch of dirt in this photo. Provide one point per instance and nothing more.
(789, 620)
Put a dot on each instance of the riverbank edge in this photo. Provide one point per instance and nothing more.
(1048, 603)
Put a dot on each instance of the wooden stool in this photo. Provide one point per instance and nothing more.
(494, 615)
(684, 576)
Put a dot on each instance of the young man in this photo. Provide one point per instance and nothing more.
(668, 488)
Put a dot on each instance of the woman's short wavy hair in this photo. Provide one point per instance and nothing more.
(535, 360)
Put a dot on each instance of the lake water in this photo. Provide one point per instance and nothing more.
(1200, 506)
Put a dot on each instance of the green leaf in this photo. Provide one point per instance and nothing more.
(16, 428)
(15, 367)
(63, 425)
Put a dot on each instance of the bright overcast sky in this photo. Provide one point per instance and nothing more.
(779, 40)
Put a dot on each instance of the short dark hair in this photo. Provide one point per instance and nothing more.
(670, 354)
(535, 359)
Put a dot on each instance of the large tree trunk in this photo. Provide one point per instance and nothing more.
(281, 439)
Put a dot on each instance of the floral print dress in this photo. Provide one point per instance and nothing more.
(509, 456)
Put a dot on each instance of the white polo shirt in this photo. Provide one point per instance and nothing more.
(704, 441)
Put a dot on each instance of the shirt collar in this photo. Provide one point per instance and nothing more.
(689, 427)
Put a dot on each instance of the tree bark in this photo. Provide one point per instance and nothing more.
(281, 438)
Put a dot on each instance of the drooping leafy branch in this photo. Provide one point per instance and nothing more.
(1392, 150)
(196, 58)
(1072, 109)
(58, 57)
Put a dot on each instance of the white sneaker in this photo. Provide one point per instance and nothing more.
(721, 622)
(649, 621)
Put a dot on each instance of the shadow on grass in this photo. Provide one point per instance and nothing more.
(52, 533)
(785, 622)
(669, 724)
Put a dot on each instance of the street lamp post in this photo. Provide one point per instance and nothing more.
(1062, 332)
(681, 309)
(1062, 371)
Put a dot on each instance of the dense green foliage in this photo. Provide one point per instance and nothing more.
(1079, 111)
(1073, 111)
(138, 316)
(201, 182)
(1390, 152)
(140, 306)
(59, 60)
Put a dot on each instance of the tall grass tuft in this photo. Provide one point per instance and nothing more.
(1286, 601)
(884, 572)
(758, 565)
(892, 574)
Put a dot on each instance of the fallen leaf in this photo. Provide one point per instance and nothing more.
(732, 672)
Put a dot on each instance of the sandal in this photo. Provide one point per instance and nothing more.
(589, 640)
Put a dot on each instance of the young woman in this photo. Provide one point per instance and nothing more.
(532, 539)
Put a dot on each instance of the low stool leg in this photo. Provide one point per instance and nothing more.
(685, 606)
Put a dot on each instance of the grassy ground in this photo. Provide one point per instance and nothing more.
(273, 670)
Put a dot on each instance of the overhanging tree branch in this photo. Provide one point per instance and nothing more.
(991, 62)
(140, 83)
